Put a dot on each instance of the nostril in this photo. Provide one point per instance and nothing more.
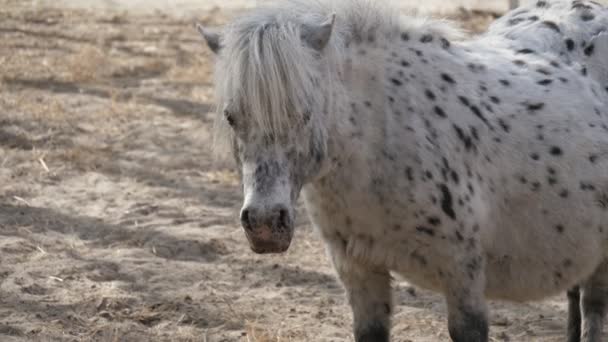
(283, 217)
(245, 220)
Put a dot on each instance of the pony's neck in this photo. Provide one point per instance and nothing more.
(390, 85)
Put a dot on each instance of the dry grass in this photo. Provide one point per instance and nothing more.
(87, 65)
(223, 177)
(259, 334)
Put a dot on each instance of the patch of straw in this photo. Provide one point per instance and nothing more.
(85, 66)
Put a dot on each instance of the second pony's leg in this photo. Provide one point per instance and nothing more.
(594, 299)
(574, 314)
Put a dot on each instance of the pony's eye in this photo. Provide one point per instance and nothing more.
(229, 118)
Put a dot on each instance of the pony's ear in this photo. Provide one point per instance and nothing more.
(317, 36)
(211, 37)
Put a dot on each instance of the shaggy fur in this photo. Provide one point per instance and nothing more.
(467, 166)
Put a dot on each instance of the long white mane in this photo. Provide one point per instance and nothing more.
(268, 74)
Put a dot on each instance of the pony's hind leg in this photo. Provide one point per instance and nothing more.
(593, 304)
(574, 314)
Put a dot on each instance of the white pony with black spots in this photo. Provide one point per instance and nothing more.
(464, 165)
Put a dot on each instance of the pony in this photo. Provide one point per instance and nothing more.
(575, 32)
(460, 164)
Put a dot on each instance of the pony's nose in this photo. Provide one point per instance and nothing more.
(275, 218)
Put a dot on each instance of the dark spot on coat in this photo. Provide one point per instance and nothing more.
(579, 5)
(480, 115)
(543, 71)
(494, 99)
(474, 133)
(542, 4)
(519, 62)
(429, 94)
(447, 202)
(427, 38)
(409, 174)
(589, 50)
(405, 63)
(396, 82)
(425, 230)
(570, 44)
(468, 144)
(455, 177)
(505, 83)
(559, 228)
(447, 78)
(525, 51)
(464, 100)
(434, 220)
(504, 125)
(405, 36)
(587, 17)
(551, 25)
(555, 151)
(602, 200)
(532, 107)
(563, 193)
(545, 82)
(592, 158)
(515, 21)
(440, 112)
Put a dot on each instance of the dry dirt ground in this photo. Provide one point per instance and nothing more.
(117, 224)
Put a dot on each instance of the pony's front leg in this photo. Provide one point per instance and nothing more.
(465, 297)
(369, 294)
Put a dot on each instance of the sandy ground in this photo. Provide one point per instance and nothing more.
(189, 7)
(116, 223)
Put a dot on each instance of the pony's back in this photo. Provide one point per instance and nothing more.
(574, 31)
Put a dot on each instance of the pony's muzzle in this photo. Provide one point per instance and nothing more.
(268, 231)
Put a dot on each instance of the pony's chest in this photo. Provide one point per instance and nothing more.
(357, 209)
(371, 230)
